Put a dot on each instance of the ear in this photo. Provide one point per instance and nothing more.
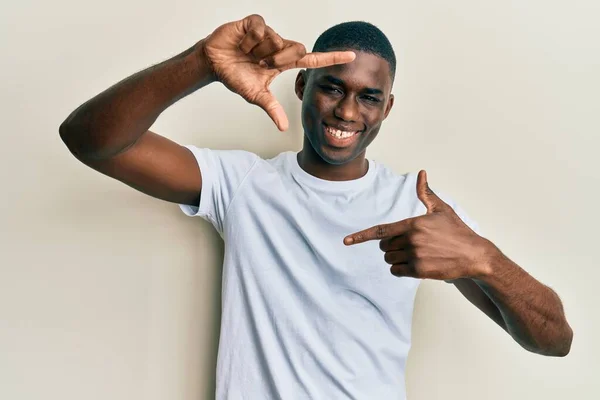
(301, 80)
(389, 106)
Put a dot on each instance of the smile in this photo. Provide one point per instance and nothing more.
(339, 134)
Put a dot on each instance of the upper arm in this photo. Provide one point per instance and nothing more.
(479, 299)
(155, 166)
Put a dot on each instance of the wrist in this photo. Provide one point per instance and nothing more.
(484, 265)
(202, 65)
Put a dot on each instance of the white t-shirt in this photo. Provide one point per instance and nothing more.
(303, 315)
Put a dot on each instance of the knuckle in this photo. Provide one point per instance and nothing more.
(388, 257)
(256, 18)
(269, 61)
(383, 245)
(276, 39)
(416, 224)
(381, 231)
(311, 62)
(416, 271)
(417, 253)
(395, 241)
(255, 34)
(416, 238)
(300, 49)
(428, 189)
(278, 43)
(416, 264)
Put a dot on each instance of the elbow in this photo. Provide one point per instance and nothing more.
(561, 346)
(76, 140)
(87, 143)
(67, 135)
(74, 133)
(557, 345)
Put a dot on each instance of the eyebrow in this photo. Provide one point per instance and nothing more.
(339, 82)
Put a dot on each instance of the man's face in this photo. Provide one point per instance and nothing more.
(343, 106)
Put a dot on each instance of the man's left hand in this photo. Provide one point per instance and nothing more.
(437, 245)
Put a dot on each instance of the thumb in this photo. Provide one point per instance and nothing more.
(269, 103)
(431, 200)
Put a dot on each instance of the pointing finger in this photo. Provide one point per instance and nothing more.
(320, 60)
(285, 58)
(379, 232)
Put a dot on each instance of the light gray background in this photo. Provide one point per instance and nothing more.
(108, 294)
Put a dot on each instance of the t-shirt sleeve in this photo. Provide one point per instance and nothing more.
(223, 172)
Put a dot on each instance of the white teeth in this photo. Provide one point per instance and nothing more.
(339, 134)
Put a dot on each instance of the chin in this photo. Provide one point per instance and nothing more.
(328, 152)
(335, 156)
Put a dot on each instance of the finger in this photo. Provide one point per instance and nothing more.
(320, 60)
(379, 232)
(254, 27)
(397, 257)
(431, 200)
(403, 270)
(269, 103)
(272, 43)
(394, 243)
(290, 54)
(294, 56)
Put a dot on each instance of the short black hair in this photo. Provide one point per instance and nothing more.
(360, 36)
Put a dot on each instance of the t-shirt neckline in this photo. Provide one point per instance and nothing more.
(327, 185)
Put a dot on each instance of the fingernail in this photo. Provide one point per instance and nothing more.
(263, 64)
(349, 240)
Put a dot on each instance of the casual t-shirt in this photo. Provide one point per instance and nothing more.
(303, 315)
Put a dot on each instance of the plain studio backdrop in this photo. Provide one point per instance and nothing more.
(106, 293)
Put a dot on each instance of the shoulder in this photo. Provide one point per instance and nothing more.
(403, 189)
(407, 182)
(395, 192)
(384, 175)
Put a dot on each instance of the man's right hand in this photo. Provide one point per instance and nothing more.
(246, 56)
(110, 132)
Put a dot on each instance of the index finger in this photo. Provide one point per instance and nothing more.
(379, 232)
(325, 59)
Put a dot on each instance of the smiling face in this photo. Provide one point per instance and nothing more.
(344, 105)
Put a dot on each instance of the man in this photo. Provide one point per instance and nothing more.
(311, 307)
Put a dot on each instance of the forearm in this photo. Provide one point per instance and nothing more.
(533, 312)
(115, 119)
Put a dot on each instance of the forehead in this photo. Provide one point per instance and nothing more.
(367, 70)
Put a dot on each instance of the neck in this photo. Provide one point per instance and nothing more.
(312, 163)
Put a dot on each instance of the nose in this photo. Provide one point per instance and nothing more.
(347, 109)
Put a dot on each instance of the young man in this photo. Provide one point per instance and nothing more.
(311, 307)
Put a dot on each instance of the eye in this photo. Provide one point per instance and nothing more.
(371, 99)
(330, 89)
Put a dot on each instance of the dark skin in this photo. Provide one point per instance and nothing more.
(348, 90)
(438, 245)
(354, 97)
